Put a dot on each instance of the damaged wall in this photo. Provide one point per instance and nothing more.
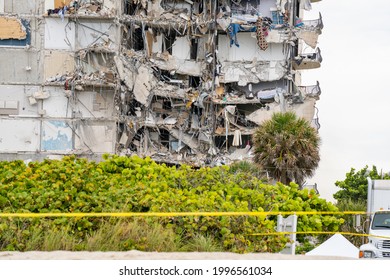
(180, 81)
(58, 63)
(248, 50)
(57, 136)
(101, 33)
(59, 34)
(95, 136)
(12, 28)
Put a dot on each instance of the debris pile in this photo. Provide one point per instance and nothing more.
(193, 79)
(81, 8)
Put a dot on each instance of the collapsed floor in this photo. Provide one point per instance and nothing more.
(179, 81)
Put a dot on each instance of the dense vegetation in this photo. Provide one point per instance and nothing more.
(354, 187)
(132, 184)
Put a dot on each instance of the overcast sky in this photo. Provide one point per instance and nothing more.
(354, 106)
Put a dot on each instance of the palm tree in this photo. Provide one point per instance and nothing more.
(287, 147)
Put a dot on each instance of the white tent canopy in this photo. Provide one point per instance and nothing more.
(336, 246)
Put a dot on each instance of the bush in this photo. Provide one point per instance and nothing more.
(133, 184)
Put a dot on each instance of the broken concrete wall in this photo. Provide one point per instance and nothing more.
(96, 104)
(58, 63)
(57, 135)
(58, 104)
(59, 34)
(245, 73)
(96, 33)
(181, 48)
(95, 136)
(12, 28)
(21, 94)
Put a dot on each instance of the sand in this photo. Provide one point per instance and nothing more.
(138, 255)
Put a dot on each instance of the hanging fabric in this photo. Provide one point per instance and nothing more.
(237, 141)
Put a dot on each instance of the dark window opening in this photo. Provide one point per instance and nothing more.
(132, 105)
(137, 138)
(135, 38)
(168, 41)
(297, 5)
(138, 40)
(194, 81)
(130, 8)
(220, 141)
(167, 105)
(164, 138)
(194, 49)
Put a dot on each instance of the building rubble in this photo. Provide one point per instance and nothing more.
(185, 81)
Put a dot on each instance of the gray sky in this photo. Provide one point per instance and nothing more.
(354, 107)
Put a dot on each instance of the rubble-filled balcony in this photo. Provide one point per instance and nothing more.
(308, 61)
(309, 30)
(79, 9)
(313, 24)
(313, 91)
(181, 16)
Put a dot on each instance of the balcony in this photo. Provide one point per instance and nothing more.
(313, 25)
(308, 61)
(310, 91)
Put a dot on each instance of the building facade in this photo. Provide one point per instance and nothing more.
(180, 81)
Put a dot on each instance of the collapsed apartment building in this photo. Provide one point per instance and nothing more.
(180, 81)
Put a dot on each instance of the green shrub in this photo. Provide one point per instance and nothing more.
(133, 184)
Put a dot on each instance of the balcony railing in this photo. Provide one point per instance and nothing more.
(308, 61)
(311, 91)
(313, 24)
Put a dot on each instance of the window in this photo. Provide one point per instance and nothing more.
(277, 17)
(14, 31)
(381, 220)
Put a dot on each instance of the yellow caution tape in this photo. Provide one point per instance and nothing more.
(172, 214)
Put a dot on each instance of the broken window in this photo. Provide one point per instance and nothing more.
(14, 31)
(164, 138)
(277, 17)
